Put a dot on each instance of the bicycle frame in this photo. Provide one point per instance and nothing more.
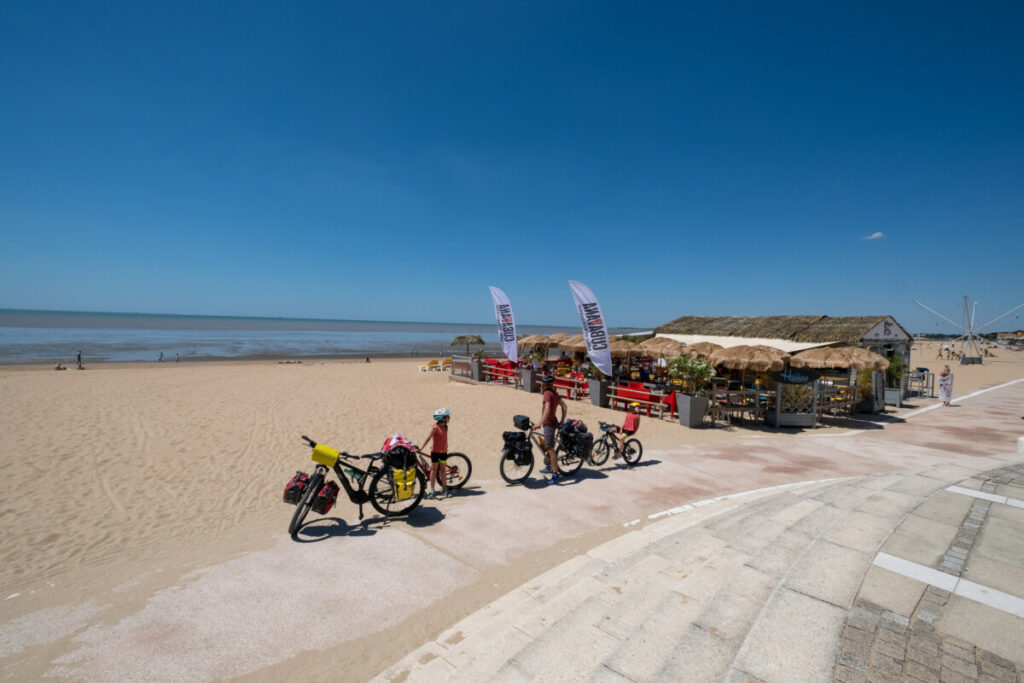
(327, 458)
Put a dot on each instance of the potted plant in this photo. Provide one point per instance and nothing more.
(531, 379)
(695, 375)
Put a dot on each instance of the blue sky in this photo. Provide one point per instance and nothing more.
(391, 160)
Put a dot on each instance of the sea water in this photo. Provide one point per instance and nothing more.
(51, 336)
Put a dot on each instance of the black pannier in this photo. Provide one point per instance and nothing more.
(400, 458)
(295, 487)
(584, 444)
(517, 447)
(521, 422)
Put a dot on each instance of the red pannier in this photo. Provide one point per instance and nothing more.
(324, 500)
(295, 488)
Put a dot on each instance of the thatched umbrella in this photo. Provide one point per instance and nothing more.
(574, 344)
(703, 350)
(874, 361)
(535, 341)
(829, 357)
(622, 348)
(558, 337)
(467, 339)
(744, 357)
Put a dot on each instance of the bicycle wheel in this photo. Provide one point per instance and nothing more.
(599, 455)
(631, 452)
(569, 462)
(459, 469)
(382, 494)
(305, 503)
(514, 473)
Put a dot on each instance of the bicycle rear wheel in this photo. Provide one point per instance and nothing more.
(384, 498)
(599, 455)
(569, 462)
(514, 473)
(305, 503)
(631, 451)
(459, 469)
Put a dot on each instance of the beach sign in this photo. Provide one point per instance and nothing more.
(506, 324)
(595, 332)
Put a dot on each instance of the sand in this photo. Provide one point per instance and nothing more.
(125, 483)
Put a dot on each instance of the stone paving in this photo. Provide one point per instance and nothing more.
(777, 585)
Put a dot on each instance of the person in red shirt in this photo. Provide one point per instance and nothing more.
(629, 427)
(439, 453)
(550, 402)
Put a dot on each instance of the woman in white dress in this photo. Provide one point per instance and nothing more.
(945, 386)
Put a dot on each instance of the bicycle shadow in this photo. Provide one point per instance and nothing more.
(336, 527)
(642, 463)
(465, 492)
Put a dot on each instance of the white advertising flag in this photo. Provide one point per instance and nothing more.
(506, 324)
(594, 331)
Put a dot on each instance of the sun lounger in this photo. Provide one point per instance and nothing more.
(432, 365)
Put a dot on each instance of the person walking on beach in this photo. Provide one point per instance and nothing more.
(550, 402)
(79, 357)
(161, 358)
(945, 386)
(439, 453)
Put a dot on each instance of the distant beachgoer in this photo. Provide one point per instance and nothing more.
(939, 357)
(161, 358)
(367, 359)
(945, 386)
(79, 357)
(59, 366)
(176, 358)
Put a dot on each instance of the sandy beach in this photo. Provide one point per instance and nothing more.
(123, 481)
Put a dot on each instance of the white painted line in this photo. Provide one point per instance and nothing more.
(977, 494)
(962, 398)
(916, 571)
(1004, 602)
(1015, 503)
(731, 496)
(1001, 601)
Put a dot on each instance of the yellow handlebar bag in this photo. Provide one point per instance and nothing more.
(404, 480)
(325, 455)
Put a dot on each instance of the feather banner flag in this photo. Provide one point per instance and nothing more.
(506, 324)
(595, 333)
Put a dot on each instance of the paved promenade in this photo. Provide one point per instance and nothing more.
(916, 575)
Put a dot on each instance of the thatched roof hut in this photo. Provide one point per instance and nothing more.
(821, 329)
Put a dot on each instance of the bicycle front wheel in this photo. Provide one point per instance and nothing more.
(384, 495)
(599, 456)
(305, 503)
(515, 473)
(631, 451)
(569, 462)
(459, 469)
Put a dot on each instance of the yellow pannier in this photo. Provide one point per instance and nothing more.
(404, 481)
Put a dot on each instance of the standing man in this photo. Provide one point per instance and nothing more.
(550, 402)
(79, 357)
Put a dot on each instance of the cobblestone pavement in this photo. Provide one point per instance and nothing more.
(880, 645)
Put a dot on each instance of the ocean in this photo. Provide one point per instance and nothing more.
(49, 336)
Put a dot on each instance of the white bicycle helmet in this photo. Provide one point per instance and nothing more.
(441, 413)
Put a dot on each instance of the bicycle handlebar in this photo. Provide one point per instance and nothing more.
(345, 454)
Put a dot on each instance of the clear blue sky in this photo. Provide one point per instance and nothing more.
(390, 160)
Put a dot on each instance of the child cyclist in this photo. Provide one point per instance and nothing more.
(439, 453)
(629, 427)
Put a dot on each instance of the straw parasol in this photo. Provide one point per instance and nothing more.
(744, 357)
(535, 341)
(703, 350)
(574, 344)
(663, 347)
(467, 339)
(558, 337)
(852, 357)
(622, 348)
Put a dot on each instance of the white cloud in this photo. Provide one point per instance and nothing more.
(874, 236)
